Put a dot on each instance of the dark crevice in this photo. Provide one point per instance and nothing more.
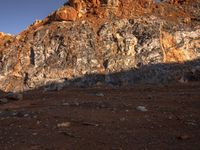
(32, 57)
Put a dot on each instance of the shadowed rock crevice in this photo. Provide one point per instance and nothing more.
(32, 57)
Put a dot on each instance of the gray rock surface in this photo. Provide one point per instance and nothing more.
(118, 51)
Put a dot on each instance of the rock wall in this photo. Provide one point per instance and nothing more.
(114, 51)
(5, 38)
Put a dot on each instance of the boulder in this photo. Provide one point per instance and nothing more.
(66, 13)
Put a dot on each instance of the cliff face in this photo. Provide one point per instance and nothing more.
(5, 39)
(103, 42)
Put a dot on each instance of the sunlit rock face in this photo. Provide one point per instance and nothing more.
(67, 50)
(5, 38)
(66, 13)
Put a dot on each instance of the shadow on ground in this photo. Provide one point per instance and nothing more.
(144, 74)
(108, 118)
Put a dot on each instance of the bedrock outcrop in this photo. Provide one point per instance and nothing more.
(90, 51)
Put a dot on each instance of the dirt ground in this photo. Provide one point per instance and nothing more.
(104, 118)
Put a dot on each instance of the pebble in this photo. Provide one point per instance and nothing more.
(142, 108)
(192, 123)
(64, 125)
(3, 100)
(65, 104)
(26, 115)
(14, 114)
(14, 96)
(183, 80)
(54, 87)
(34, 134)
(183, 137)
(100, 94)
(122, 119)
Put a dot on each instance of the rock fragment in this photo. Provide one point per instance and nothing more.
(100, 94)
(14, 96)
(3, 100)
(183, 137)
(66, 13)
(142, 108)
(64, 125)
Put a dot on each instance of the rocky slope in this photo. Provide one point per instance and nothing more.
(105, 42)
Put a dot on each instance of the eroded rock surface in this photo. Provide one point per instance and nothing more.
(72, 49)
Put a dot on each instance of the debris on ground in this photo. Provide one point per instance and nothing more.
(142, 108)
(64, 125)
(100, 94)
(14, 96)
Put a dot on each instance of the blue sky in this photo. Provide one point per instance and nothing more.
(16, 15)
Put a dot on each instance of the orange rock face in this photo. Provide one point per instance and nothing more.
(4, 37)
(66, 13)
(179, 1)
(76, 4)
(174, 53)
(1, 34)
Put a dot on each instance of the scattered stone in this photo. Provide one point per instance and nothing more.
(90, 124)
(14, 96)
(26, 115)
(4, 100)
(14, 114)
(183, 80)
(69, 134)
(21, 114)
(100, 94)
(35, 134)
(38, 122)
(191, 123)
(170, 117)
(76, 104)
(183, 137)
(54, 87)
(122, 119)
(65, 104)
(142, 108)
(64, 125)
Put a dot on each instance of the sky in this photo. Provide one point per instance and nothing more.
(16, 15)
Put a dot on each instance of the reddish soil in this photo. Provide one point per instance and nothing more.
(104, 118)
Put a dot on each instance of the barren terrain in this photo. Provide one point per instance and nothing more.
(104, 118)
(80, 79)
